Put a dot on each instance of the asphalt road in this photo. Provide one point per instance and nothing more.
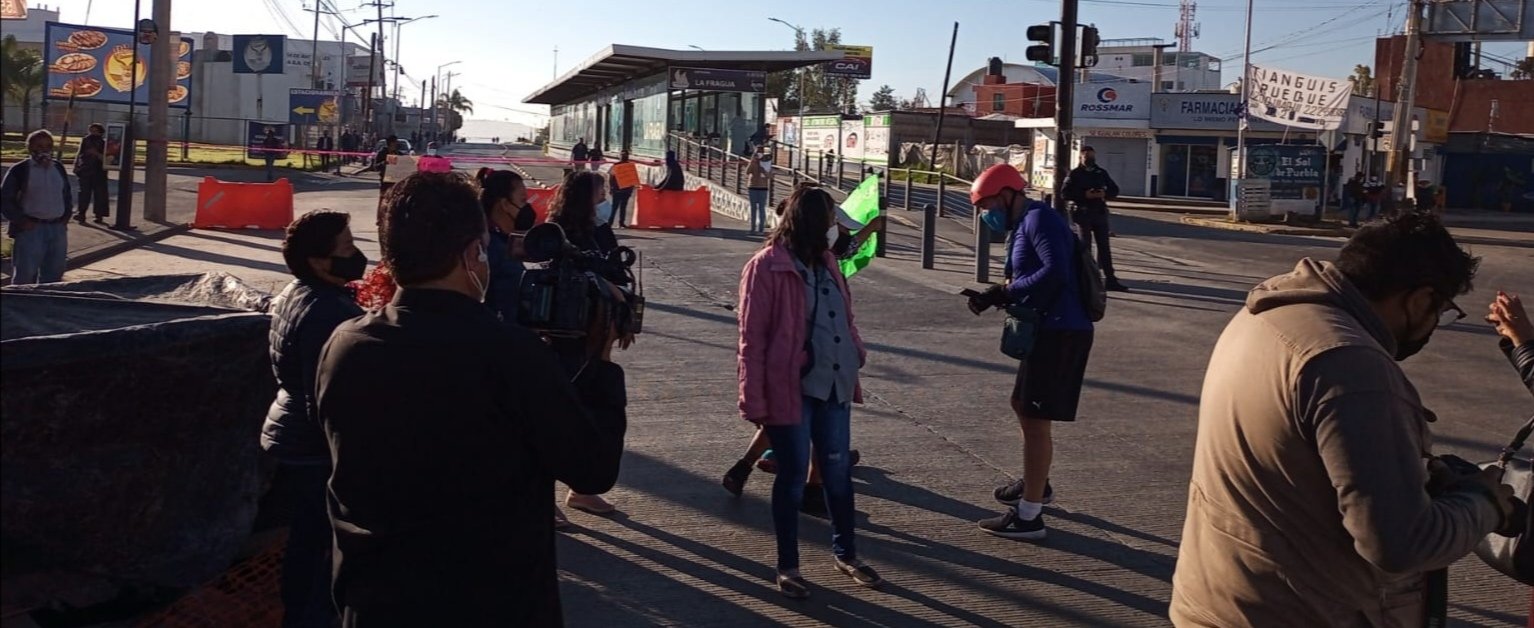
(936, 434)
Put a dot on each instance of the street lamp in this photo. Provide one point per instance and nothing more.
(804, 160)
(398, 23)
(437, 78)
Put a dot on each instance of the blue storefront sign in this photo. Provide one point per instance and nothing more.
(711, 80)
(260, 54)
(1213, 112)
(314, 106)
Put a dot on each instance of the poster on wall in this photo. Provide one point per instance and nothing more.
(13, 9)
(876, 139)
(262, 54)
(820, 134)
(1298, 100)
(96, 64)
(255, 134)
(114, 150)
(852, 140)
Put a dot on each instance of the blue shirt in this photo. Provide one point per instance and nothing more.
(833, 374)
(1042, 269)
(505, 277)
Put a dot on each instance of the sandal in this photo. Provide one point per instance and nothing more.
(591, 504)
(767, 463)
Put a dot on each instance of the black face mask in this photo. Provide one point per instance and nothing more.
(842, 245)
(349, 268)
(1409, 348)
(1091, 162)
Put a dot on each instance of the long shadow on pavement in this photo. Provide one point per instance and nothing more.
(213, 258)
(204, 234)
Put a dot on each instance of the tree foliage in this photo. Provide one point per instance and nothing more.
(1523, 70)
(22, 75)
(883, 99)
(1363, 80)
(823, 94)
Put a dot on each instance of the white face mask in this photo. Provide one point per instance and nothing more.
(479, 284)
(831, 235)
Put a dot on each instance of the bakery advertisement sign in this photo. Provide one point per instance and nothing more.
(1298, 100)
(90, 63)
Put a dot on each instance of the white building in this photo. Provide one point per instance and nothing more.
(1180, 71)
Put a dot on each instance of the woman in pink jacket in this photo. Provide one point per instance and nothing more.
(799, 357)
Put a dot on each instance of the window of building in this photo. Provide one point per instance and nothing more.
(1166, 86)
(1180, 86)
(998, 102)
(1142, 59)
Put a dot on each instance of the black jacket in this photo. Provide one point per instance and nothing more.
(1522, 357)
(90, 159)
(302, 318)
(1084, 178)
(13, 188)
(448, 431)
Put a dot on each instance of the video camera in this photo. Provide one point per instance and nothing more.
(571, 288)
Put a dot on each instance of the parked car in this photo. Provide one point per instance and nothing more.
(404, 144)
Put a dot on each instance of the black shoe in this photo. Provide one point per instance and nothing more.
(1012, 493)
(854, 458)
(814, 502)
(860, 572)
(793, 587)
(1113, 285)
(735, 480)
(1009, 526)
(80, 219)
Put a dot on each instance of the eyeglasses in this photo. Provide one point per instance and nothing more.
(1450, 314)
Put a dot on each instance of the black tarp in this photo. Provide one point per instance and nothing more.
(129, 415)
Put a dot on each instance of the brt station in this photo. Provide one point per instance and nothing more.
(636, 98)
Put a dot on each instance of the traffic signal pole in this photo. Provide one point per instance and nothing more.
(1065, 106)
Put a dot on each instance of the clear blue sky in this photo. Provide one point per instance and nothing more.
(507, 46)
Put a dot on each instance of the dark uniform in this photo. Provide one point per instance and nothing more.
(1092, 214)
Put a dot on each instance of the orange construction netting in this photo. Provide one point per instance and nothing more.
(248, 595)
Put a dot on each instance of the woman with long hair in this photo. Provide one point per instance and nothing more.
(582, 209)
(798, 360)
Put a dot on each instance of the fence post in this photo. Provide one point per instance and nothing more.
(883, 226)
(942, 190)
(982, 251)
(928, 235)
(908, 175)
(740, 173)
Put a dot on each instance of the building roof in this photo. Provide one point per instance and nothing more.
(620, 63)
(1019, 73)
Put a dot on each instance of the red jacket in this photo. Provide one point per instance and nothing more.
(772, 333)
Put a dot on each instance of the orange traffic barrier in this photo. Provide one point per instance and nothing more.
(539, 198)
(672, 209)
(221, 204)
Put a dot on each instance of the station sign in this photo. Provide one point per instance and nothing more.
(857, 62)
(714, 80)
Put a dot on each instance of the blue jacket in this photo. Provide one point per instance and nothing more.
(1042, 270)
(302, 318)
(505, 278)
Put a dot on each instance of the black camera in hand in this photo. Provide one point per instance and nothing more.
(570, 288)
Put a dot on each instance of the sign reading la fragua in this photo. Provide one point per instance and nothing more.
(1298, 100)
(709, 79)
(857, 62)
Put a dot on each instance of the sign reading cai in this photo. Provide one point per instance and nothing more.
(1298, 100)
(1113, 101)
(259, 54)
(705, 79)
(857, 62)
(97, 64)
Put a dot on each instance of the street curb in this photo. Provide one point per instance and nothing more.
(893, 217)
(1226, 224)
(1172, 209)
(87, 258)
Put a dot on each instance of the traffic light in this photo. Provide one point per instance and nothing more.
(1044, 51)
(1379, 130)
(1089, 42)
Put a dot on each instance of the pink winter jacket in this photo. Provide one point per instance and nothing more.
(773, 324)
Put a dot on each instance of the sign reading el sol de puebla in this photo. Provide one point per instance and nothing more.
(856, 62)
(707, 79)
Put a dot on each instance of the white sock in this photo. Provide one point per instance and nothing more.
(1028, 511)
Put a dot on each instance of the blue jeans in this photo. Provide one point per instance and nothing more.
(828, 426)
(758, 199)
(39, 253)
(1367, 208)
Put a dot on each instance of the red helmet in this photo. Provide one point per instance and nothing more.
(995, 179)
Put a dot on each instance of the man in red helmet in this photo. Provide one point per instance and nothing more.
(1041, 275)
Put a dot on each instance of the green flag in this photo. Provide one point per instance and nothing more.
(863, 206)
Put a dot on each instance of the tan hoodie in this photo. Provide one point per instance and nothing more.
(1307, 506)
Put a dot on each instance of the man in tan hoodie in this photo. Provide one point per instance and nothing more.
(1309, 503)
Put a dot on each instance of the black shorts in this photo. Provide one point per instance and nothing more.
(1049, 382)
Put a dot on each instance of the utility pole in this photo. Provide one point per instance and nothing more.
(434, 122)
(162, 73)
(367, 98)
(1400, 124)
(314, 62)
(1246, 94)
(1065, 102)
(420, 124)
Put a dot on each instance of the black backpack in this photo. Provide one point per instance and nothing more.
(1090, 284)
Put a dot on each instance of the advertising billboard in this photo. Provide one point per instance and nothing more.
(1113, 101)
(314, 106)
(96, 64)
(820, 134)
(711, 80)
(876, 139)
(857, 62)
(1293, 173)
(255, 133)
(259, 54)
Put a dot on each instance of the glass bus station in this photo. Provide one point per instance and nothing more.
(634, 98)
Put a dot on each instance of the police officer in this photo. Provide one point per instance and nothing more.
(1090, 188)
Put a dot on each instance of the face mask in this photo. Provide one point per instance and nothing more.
(831, 235)
(1091, 162)
(431, 152)
(604, 212)
(350, 268)
(481, 284)
(42, 157)
(996, 219)
(1409, 348)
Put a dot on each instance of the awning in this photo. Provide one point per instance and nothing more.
(619, 64)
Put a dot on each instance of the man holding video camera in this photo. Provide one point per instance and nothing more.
(447, 430)
(1315, 498)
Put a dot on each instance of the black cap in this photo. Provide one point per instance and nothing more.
(393, 138)
(1088, 148)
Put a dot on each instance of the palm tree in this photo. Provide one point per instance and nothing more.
(456, 105)
(21, 75)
